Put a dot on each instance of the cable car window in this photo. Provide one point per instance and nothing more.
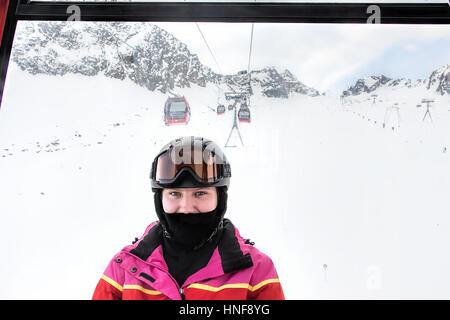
(178, 106)
(244, 114)
(346, 141)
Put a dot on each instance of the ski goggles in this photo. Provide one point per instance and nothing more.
(206, 164)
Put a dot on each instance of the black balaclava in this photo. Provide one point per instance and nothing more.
(190, 239)
(191, 231)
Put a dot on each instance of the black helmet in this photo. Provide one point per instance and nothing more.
(190, 162)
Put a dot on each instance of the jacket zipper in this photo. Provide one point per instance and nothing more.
(180, 289)
(182, 294)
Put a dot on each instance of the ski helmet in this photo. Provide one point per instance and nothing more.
(190, 162)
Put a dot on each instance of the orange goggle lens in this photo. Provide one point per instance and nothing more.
(169, 164)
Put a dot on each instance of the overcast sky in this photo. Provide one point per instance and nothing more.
(324, 56)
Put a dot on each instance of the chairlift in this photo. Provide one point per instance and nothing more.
(176, 111)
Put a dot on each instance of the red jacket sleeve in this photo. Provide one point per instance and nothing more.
(269, 291)
(106, 291)
(110, 286)
(265, 284)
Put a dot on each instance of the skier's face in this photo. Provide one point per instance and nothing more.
(189, 200)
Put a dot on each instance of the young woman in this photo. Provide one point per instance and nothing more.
(192, 252)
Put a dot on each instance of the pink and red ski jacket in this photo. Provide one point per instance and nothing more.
(235, 271)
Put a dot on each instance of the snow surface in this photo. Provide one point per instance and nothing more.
(345, 208)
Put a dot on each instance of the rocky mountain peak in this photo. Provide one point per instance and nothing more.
(142, 52)
(438, 81)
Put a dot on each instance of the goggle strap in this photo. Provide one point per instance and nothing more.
(191, 172)
(226, 170)
(152, 172)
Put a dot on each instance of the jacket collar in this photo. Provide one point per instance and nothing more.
(227, 257)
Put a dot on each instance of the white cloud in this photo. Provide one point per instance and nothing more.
(320, 55)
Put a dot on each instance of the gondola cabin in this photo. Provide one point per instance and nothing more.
(220, 109)
(176, 111)
(244, 114)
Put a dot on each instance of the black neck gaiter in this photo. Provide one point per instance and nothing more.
(190, 239)
(189, 231)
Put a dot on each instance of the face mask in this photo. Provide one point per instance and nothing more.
(191, 230)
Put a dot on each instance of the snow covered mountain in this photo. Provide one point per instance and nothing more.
(438, 81)
(270, 83)
(144, 53)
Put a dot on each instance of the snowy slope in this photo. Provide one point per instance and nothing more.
(315, 183)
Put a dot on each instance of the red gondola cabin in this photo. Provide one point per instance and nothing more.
(176, 110)
(244, 114)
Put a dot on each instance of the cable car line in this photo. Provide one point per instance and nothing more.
(250, 53)
(249, 59)
(206, 43)
(244, 111)
(214, 57)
